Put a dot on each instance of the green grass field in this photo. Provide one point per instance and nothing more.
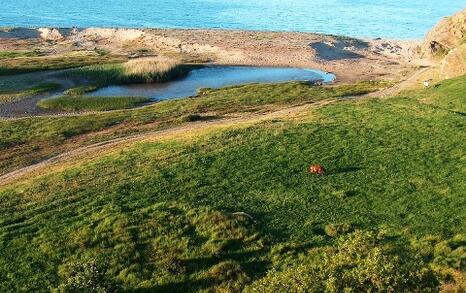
(25, 141)
(89, 103)
(162, 215)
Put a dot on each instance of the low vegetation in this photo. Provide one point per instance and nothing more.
(235, 209)
(48, 136)
(9, 96)
(16, 54)
(12, 65)
(359, 262)
(141, 70)
(80, 90)
(90, 103)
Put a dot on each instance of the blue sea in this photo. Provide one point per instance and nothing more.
(401, 19)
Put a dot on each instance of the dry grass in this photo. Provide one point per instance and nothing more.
(141, 70)
(150, 65)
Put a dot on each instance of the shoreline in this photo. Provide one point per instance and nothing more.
(52, 27)
(350, 59)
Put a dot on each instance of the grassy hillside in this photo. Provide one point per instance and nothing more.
(25, 141)
(167, 215)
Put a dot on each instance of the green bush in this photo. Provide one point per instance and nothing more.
(334, 230)
(90, 276)
(359, 263)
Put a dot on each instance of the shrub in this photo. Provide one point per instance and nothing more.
(90, 276)
(359, 263)
(334, 230)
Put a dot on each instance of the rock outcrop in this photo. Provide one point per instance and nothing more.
(446, 44)
(449, 34)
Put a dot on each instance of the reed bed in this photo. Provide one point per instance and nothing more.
(141, 70)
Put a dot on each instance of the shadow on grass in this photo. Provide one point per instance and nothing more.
(184, 286)
(345, 170)
(255, 267)
(198, 118)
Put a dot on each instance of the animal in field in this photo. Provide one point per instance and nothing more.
(317, 169)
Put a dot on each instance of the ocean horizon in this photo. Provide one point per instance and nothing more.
(361, 18)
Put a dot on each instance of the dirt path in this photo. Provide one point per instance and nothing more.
(96, 148)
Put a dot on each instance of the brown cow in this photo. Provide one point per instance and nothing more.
(317, 169)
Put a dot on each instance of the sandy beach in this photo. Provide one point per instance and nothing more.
(349, 58)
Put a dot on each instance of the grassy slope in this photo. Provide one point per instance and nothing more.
(88, 103)
(156, 214)
(27, 140)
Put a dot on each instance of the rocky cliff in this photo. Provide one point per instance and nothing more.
(447, 44)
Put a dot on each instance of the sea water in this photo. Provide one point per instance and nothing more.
(401, 19)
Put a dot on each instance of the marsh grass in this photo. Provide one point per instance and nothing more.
(10, 96)
(141, 70)
(90, 103)
(81, 90)
(10, 65)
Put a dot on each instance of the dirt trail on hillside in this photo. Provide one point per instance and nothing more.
(87, 152)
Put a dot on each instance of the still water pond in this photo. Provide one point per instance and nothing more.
(214, 77)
